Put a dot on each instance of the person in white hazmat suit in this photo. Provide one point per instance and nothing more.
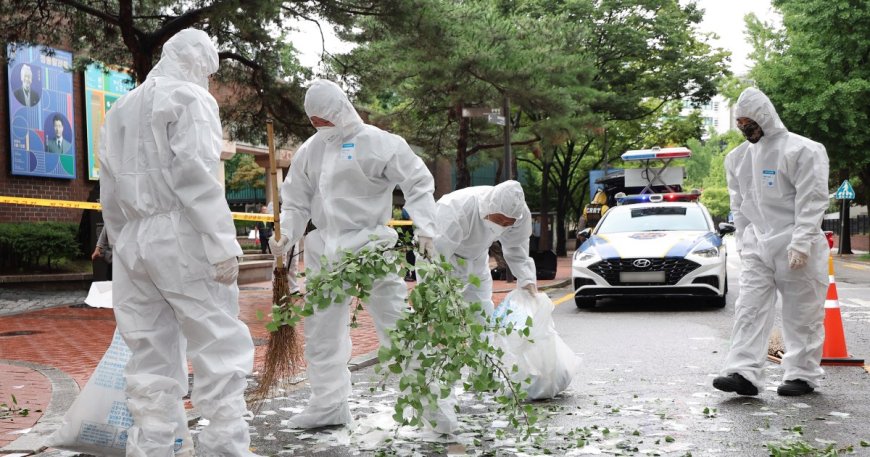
(469, 220)
(778, 184)
(175, 250)
(342, 178)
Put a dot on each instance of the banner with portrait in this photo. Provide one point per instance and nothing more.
(41, 114)
(103, 86)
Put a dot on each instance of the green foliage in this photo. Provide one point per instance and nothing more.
(33, 244)
(585, 79)
(260, 75)
(440, 341)
(9, 410)
(243, 172)
(799, 448)
(818, 77)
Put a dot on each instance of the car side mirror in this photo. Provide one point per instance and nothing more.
(585, 233)
(726, 228)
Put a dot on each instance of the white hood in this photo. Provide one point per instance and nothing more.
(506, 198)
(326, 100)
(189, 55)
(753, 104)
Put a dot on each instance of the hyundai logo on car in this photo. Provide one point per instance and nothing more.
(642, 263)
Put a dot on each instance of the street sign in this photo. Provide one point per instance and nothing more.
(494, 118)
(479, 112)
(845, 192)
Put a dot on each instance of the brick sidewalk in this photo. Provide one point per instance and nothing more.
(73, 340)
(28, 387)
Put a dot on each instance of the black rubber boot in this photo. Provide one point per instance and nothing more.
(794, 388)
(735, 383)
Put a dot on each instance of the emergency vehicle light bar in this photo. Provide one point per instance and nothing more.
(656, 198)
(657, 153)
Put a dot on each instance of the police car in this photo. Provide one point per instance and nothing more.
(653, 244)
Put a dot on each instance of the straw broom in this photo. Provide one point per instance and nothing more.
(284, 352)
(776, 346)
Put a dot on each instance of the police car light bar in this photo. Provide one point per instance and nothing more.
(657, 153)
(657, 198)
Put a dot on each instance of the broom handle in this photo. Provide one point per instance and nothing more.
(273, 171)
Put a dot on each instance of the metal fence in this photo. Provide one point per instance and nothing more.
(858, 225)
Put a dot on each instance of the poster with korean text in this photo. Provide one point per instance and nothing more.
(41, 114)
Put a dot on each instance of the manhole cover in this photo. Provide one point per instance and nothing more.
(19, 333)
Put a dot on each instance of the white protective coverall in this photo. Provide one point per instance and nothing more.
(342, 178)
(779, 193)
(174, 239)
(462, 233)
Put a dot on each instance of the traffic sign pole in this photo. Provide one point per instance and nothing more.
(844, 193)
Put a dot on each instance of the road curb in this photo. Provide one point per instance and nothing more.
(556, 285)
(64, 391)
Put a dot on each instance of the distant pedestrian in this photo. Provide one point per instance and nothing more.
(264, 231)
(103, 250)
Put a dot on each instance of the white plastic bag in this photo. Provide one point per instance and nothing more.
(98, 419)
(546, 359)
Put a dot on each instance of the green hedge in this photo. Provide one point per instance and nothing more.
(243, 227)
(33, 244)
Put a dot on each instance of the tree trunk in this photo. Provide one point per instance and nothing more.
(865, 184)
(546, 241)
(443, 183)
(463, 177)
(561, 213)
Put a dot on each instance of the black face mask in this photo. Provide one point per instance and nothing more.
(751, 131)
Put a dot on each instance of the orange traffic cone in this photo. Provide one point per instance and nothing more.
(834, 351)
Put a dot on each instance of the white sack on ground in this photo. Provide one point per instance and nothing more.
(543, 356)
(98, 419)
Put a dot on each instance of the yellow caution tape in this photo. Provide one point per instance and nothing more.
(253, 217)
(96, 206)
(52, 203)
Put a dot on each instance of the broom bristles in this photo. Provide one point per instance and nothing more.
(776, 346)
(284, 353)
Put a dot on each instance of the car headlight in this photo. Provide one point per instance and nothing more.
(707, 252)
(585, 256)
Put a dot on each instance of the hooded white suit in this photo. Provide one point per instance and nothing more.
(173, 234)
(464, 234)
(779, 193)
(342, 178)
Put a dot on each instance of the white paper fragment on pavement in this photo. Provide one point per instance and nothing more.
(100, 295)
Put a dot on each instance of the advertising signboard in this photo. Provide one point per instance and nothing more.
(41, 114)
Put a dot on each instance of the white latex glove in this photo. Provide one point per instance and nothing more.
(796, 259)
(426, 247)
(531, 289)
(279, 246)
(227, 272)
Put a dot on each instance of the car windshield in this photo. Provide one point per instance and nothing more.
(653, 219)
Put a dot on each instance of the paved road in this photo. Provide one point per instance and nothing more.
(644, 389)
